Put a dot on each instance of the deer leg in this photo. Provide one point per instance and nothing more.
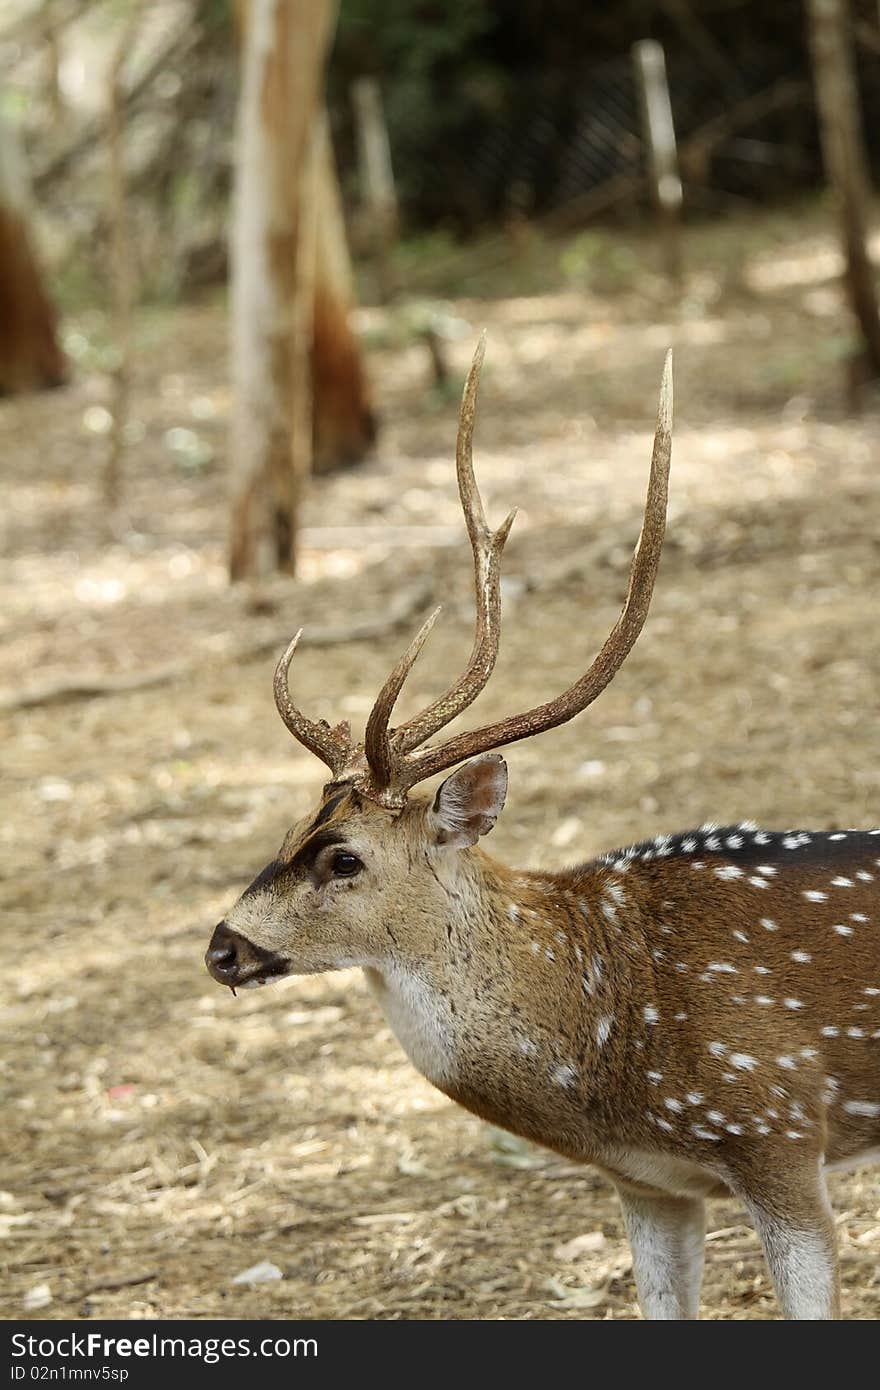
(796, 1229)
(667, 1237)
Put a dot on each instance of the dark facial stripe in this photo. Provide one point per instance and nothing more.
(328, 808)
(264, 878)
(307, 853)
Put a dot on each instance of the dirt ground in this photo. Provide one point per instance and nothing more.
(161, 1136)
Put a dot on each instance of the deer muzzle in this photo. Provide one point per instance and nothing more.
(234, 961)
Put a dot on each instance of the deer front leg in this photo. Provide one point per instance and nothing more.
(796, 1229)
(667, 1239)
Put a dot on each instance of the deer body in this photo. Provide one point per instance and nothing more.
(617, 1007)
(697, 1014)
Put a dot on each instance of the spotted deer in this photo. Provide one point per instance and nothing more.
(698, 1014)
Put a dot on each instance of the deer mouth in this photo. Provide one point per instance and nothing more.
(234, 961)
(266, 975)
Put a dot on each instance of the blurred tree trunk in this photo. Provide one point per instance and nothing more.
(344, 424)
(30, 358)
(300, 391)
(285, 47)
(845, 161)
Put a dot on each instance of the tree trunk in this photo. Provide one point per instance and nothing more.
(845, 162)
(30, 358)
(659, 137)
(344, 424)
(378, 194)
(283, 73)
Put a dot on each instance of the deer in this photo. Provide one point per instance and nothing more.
(694, 1015)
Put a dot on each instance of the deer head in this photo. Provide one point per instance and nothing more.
(371, 869)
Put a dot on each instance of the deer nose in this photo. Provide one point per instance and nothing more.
(221, 957)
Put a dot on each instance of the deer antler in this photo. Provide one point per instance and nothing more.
(387, 765)
(332, 746)
(383, 751)
(402, 768)
(643, 573)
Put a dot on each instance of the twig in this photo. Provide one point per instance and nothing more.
(122, 1281)
(90, 686)
(694, 152)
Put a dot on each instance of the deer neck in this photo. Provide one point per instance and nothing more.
(522, 1008)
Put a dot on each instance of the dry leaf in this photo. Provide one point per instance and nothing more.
(586, 1244)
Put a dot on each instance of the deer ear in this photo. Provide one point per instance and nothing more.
(469, 802)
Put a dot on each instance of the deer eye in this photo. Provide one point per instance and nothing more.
(345, 865)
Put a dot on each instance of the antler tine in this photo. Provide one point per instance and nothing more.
(380, 757)
(645, 563)
(487, 547)
(329, 745)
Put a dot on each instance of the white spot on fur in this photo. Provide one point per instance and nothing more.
(650, 1014)
(603, 1029)
(869, 1108)
(768, 924)
(813, 895)
(743, 1061)
(802, 957)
